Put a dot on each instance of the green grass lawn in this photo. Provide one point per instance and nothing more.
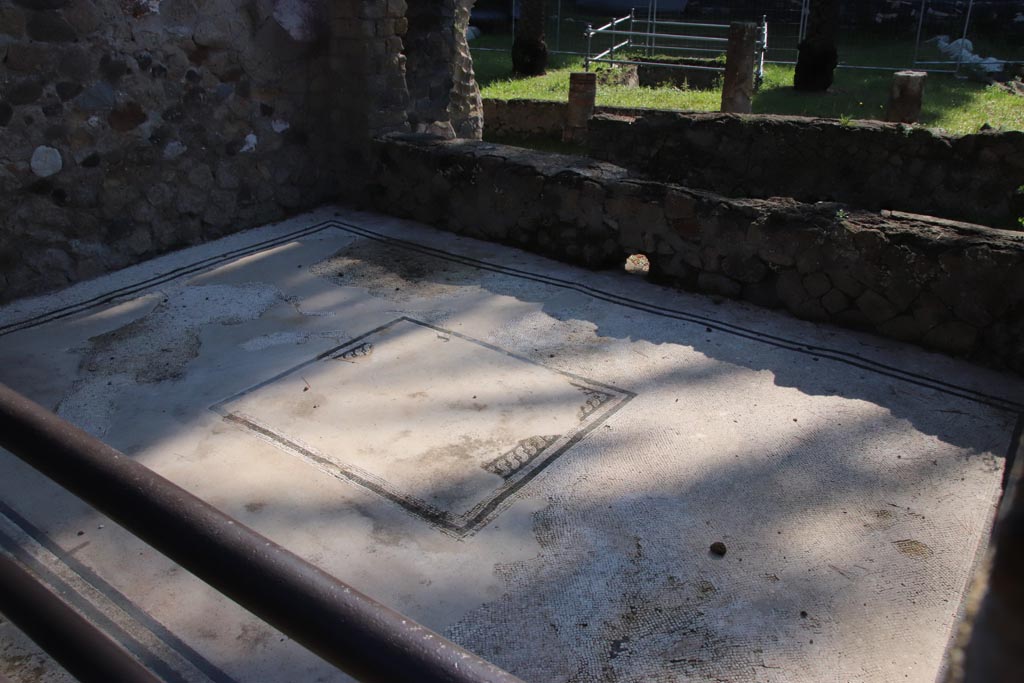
(951, 104)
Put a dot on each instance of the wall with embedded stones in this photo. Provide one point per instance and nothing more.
(541, 119)
(872, 165)
(131, 127)
(949, 286)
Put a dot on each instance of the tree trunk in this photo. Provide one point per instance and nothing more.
(529, 51)
(818, 58)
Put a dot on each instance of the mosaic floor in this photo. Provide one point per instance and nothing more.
(530, 458)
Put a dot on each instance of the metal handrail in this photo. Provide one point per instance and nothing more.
(611, 24)
(608, 56)
(609, 51)
(659, 22)
(687, 67)
(359, 635)
(78, 646)
(642, 34)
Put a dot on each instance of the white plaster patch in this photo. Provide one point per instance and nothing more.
(89, 405)
(46, 161)
(280, 126)
(203, 304)
(155, 348)
(250, 143)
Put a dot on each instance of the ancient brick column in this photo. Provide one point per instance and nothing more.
(738, 85)
(444, 96)
(466, 107)
(582, 95)
(905, 96)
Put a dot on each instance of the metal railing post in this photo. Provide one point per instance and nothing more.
(763, 51)
(590, 37)
(611, 52)
(963, 41)
(920, 28)
(654, 29)
(805, 10)
(647, 41)
(558, 27)
(632, 18)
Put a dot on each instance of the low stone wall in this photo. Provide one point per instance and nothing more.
(872, 165)
(541, 119)
(953, 287)
(655, 74)
(524, 118)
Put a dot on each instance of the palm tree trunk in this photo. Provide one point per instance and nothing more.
(529, 51)
(818, 58)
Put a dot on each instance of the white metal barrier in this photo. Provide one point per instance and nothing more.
(657, 37)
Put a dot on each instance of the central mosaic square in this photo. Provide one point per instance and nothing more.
(446, 426)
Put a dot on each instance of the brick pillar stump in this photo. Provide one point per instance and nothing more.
(582, 96)
(738, 85)
(905, 96)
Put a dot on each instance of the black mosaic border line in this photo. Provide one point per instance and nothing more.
(484, 511)
(181, 271)
(845, 357)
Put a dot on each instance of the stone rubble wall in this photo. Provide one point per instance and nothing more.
(130, 127)
(948, 286)
(872, 165)
(541, 119)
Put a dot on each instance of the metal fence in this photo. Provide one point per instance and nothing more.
(568, 20)
(981, 36)
(953, 36)
(658, 39)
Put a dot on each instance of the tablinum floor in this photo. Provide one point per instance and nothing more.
(527, 457)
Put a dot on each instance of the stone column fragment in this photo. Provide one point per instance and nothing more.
(738, 85)
(582, 97)
(906, 96)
